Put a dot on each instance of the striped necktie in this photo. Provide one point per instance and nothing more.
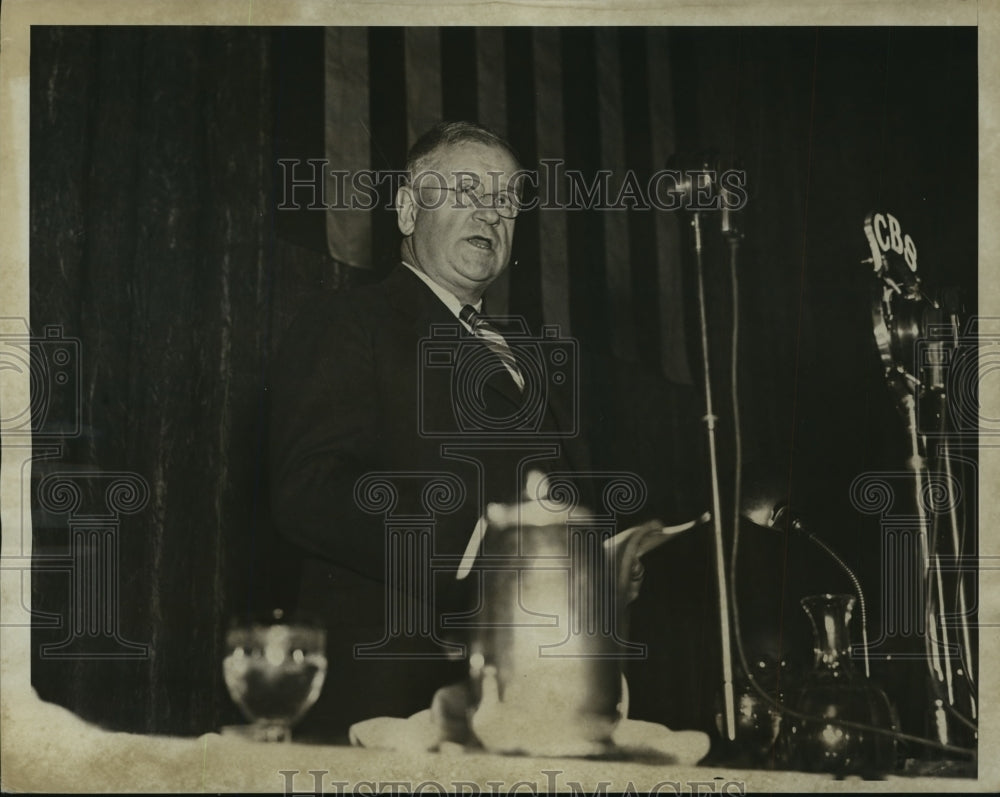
(490, 335)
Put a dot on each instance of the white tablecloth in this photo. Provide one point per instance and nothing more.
(46, 748)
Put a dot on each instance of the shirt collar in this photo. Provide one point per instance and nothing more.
(450, 300)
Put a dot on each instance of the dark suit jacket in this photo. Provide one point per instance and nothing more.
(387, 413)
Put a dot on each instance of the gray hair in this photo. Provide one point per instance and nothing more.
(446, 134)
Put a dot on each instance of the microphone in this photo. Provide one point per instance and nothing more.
(776, 513)
(771, 515)
(696, 178)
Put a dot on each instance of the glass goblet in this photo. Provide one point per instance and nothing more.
(274, 670)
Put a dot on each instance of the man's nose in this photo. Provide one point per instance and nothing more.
(486, 211)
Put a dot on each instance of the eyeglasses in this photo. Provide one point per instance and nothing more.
(505, 203)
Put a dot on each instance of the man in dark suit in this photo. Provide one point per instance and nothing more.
(399, 411)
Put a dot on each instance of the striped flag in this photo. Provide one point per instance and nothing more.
(589, 101)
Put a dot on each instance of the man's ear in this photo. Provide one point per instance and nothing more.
(406, 209)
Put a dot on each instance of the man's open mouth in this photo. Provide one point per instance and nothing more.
(480, 242)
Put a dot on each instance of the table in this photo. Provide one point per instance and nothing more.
(46, 748)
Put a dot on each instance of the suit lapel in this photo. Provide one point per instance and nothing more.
(502, 382)
(416, 303)
(413, 300)
(415, 309)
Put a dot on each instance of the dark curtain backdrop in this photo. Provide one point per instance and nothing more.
(155, 241)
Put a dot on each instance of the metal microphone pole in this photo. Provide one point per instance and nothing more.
(720, 567)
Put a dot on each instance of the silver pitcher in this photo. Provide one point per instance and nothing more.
(545, 658)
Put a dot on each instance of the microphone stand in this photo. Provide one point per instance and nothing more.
(710, 420)
(901, 314)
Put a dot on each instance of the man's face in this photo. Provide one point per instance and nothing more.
(461, 248)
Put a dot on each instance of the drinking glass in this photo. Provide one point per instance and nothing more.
(274, 670)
